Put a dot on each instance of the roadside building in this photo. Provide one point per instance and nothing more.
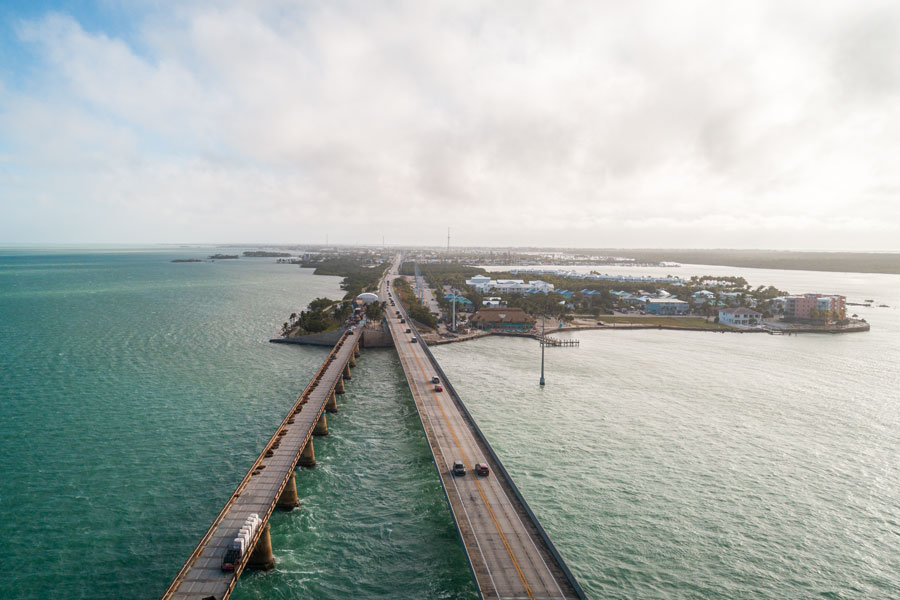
(666, 306)
(812, 307)
(502, 319)
(739, 317)
(493, 301)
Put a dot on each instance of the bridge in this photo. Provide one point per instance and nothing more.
(510, 554)
(269, 484)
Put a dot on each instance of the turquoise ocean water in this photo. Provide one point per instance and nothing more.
(135, 392)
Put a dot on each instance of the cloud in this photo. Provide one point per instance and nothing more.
(651, 123)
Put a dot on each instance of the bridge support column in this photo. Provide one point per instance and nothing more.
(352, 361)
(331, 403)
(347, 371)
(288, 499)
(262, 558)
(321, 426)
(308, 455)
(356, 351)
(339, 386)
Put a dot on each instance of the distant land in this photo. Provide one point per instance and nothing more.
(851, 262)
(223, 256)
(266, 254)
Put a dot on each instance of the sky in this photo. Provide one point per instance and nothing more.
(691, 124)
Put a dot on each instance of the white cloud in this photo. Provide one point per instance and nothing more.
(651, 123)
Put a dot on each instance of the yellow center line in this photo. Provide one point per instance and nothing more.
(478, 485)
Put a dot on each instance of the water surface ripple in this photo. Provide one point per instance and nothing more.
(135, 393)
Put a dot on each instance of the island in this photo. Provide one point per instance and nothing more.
(266, 254)
(223, 256)
(187, 260)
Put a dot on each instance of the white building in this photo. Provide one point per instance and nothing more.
(739, 317)
(484, 284)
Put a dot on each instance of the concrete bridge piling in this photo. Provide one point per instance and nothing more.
(262, 558)
(308, 456)
(331, 404)
(288, 500)
(321, 426)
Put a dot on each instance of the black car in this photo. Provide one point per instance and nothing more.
(230, 560)
(414, 341)
(459, 468)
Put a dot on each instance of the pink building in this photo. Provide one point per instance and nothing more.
(815, 306)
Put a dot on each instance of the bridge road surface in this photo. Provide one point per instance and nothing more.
(201, 576)
(508, 556)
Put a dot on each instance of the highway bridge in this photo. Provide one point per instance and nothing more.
(510, 554)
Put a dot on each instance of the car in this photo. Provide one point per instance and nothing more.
(482, 469)
(408, 330)
(230, 560)
(438, 388)
(403, 320)
(435, 379)
(459, 468)
(414, 340)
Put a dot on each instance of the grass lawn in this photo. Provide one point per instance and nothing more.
(688, 322)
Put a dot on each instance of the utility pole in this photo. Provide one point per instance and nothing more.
(542, 349)
(454, 310)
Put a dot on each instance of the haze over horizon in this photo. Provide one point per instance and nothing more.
(646, 125)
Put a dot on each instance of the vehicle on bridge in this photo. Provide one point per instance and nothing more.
(482, 469)
(459, 468)
(414, 341)
(435, 379)
(408, 330)
(438, 388)
(231, 557)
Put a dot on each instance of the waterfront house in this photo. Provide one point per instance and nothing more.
(502, 319)
(803, 307)
(739, 317)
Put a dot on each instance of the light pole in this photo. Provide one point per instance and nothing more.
(542, 349)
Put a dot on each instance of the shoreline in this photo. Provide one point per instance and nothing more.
(860, 327)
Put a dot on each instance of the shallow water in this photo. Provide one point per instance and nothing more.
(664, 464)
